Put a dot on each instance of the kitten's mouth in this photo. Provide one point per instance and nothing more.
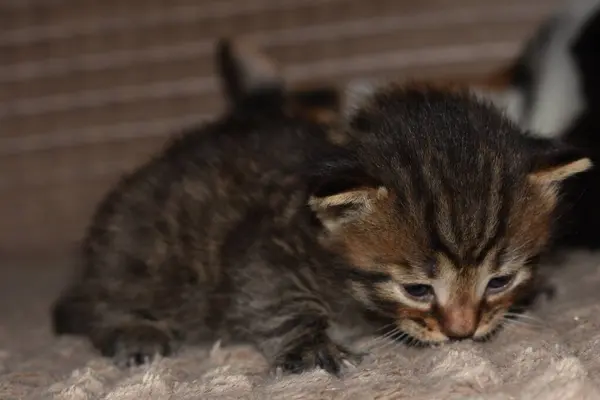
(427, 334)
(437, 338)
(412, 341)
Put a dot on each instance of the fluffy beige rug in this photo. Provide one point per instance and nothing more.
(556, 359)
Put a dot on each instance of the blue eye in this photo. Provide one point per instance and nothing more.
(418, 290)
(500, 282)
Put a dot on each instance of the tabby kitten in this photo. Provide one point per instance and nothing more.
(258, 229)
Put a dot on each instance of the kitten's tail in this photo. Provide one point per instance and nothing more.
(250, 80)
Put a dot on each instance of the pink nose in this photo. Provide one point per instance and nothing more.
(459, 322)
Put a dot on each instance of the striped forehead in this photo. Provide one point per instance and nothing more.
(463, 216)
(453, 280)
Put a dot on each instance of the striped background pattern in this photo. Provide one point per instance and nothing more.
(90, 88)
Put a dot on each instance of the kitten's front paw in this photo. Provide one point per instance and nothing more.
(327, 355)
(136, 344)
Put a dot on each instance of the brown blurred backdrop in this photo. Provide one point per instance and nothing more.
(90, 88)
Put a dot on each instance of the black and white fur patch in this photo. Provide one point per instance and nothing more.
(553, 92)
(549, 85)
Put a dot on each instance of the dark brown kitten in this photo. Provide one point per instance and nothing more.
(258, 229)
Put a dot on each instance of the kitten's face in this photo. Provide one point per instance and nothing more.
(440, 211)
(435, 292)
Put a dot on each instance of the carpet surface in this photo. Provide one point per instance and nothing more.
(554, 357)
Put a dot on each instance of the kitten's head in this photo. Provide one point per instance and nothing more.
(438, 208)
(253, 82)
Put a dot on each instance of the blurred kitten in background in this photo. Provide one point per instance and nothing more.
(553, 90)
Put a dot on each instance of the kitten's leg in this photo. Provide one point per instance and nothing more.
(301, 343)
(135, 341)
(129, 336)
(285, 319)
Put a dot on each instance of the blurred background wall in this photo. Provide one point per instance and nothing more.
(90, 88)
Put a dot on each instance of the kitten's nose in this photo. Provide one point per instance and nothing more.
(459, 323)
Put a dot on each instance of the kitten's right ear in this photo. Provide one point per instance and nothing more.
(552, 167)
(343, 194)
(247, 75)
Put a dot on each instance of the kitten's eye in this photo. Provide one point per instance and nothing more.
(499, 283)
(419, 291)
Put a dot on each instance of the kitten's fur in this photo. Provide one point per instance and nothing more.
(553, 89)
(259, 229)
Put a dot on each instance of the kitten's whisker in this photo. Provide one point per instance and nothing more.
(525, 319)
(509, 317)
(388, 340)
(512, 323)
(392, 333)
(524, 316)
(386, 326)
(373, 343)
(381, 338)
(393, 342)
(384, 346)
(517, 322)
(401, 337)
(519, 328)
(523, 322)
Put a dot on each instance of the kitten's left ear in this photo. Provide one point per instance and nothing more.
(343, 195)
(556, 166)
